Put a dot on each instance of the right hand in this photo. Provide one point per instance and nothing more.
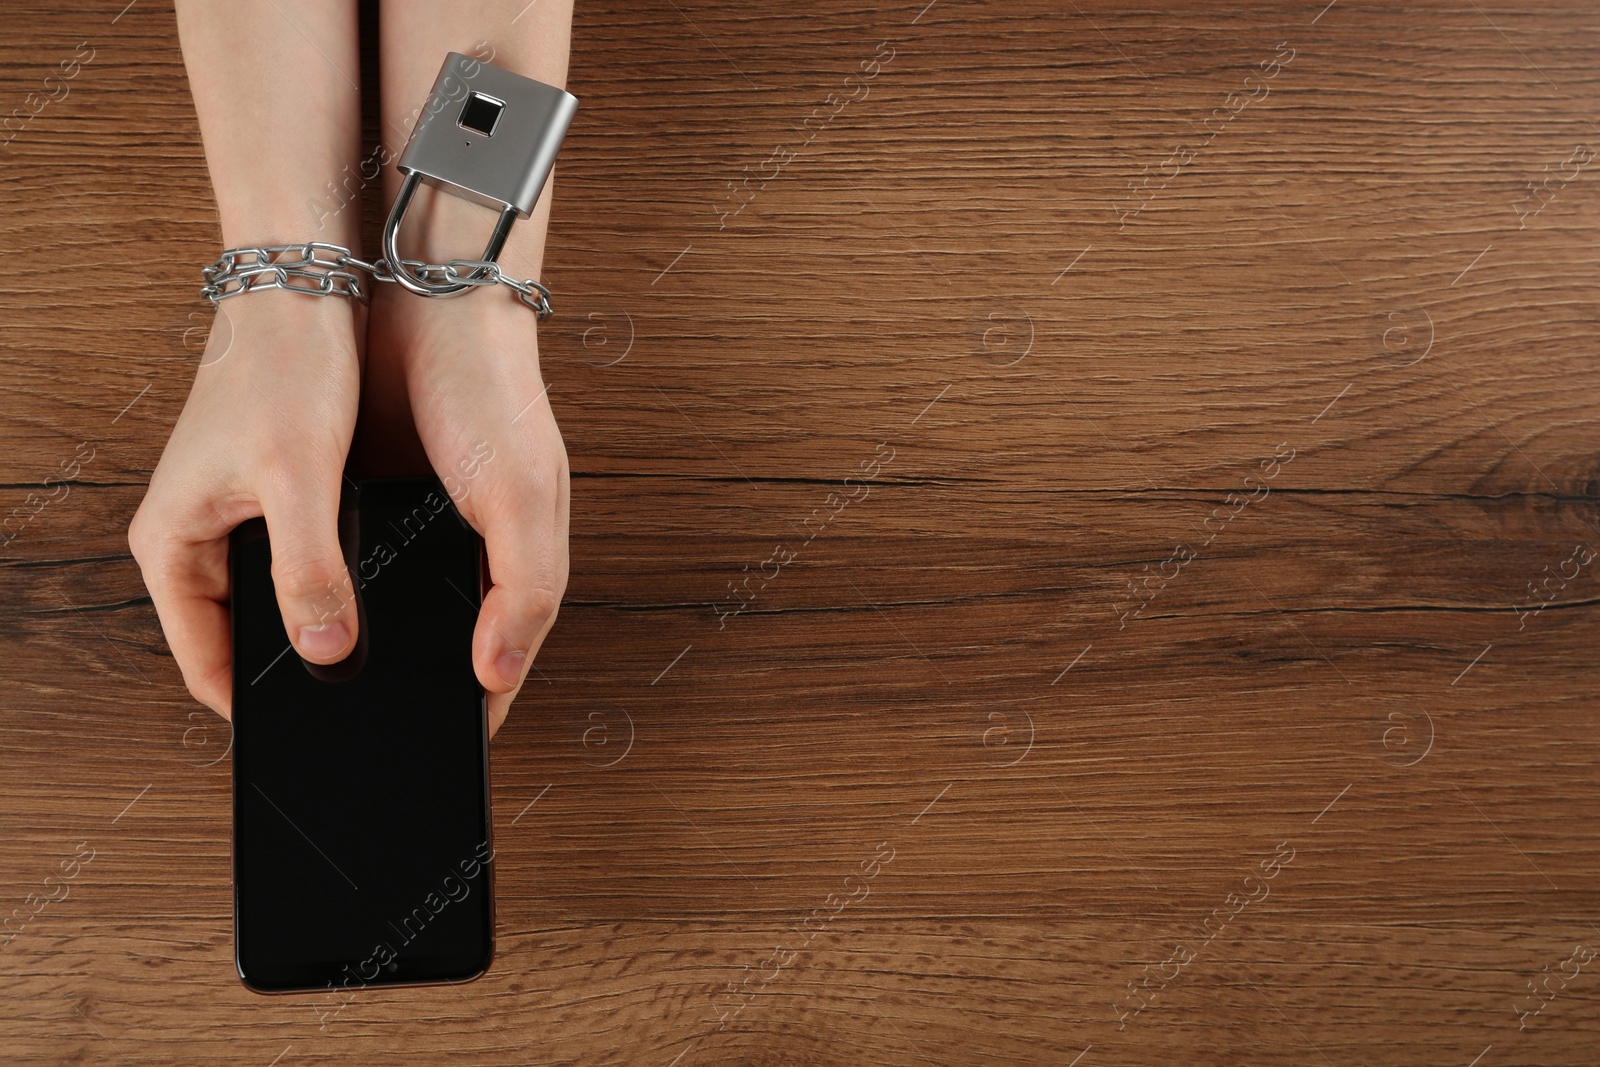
(265, 433)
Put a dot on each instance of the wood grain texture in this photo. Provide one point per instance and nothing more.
(948, 271)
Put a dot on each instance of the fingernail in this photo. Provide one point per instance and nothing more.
(509, 667)
(320, 642)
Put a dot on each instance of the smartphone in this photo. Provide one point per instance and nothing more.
(362, 851)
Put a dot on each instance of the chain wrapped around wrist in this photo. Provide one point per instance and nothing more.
(496, 150)
(321, 269)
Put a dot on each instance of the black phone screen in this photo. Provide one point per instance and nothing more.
(361, 809)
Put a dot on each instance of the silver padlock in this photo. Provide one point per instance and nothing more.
(487, 135)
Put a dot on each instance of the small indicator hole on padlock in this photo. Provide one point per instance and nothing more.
(481, 114)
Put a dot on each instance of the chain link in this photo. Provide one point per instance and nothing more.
(321, 269)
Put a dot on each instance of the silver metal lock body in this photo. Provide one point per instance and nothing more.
(486, 135)
(489, 135)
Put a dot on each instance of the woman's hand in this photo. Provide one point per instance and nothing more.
(457, 378)
(264, 433)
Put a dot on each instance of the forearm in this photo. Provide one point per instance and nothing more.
(531, 39)
(276, 88)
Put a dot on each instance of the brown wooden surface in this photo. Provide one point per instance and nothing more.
(1341, 272)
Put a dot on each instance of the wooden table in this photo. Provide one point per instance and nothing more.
(1198, 666)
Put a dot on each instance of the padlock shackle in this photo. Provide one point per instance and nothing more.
(391, 243)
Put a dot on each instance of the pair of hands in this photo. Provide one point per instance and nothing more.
(266, 431)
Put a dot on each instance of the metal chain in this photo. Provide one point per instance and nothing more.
(322, 269)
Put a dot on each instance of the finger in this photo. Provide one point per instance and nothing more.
(315, 593)
(500, 703)
(188, 583)
(528, 565)
(499, 708)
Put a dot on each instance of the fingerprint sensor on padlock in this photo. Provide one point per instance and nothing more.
(481, 114)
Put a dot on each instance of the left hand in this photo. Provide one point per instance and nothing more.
(456, 379)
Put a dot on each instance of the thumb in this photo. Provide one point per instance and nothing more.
(313, 584)
(529, 569)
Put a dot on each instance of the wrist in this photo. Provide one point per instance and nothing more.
(490, 316)
(275, 318)
(476, 333)
(293, 217)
